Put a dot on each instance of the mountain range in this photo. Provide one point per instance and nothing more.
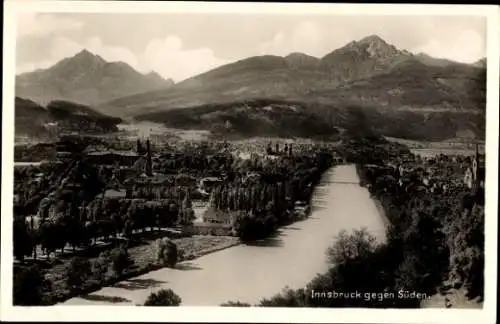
(86, 78)
(389, 84)
(358, 65)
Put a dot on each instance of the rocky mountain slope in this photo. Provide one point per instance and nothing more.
(87, 79)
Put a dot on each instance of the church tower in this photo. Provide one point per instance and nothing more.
(149, 163)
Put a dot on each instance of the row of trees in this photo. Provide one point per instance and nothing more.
(259, 206)
(102, 218)
(163, 191)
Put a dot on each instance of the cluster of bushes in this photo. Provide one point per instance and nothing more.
(163, 297)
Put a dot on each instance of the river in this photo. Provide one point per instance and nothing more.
(248, 273)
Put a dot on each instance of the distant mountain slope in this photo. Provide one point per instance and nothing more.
(86, 78)
(348, 75)
(433, 61)
(272, 117)
(259, 117)
(414, 85)
(34, 120)
(30, 118)
(273, 83)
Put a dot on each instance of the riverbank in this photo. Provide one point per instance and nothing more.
(253, 271)
(144, 261)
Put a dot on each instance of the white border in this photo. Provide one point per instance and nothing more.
(217, 314)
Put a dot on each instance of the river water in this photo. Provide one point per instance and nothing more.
(249, 273)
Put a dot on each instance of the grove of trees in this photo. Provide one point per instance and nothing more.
(259, 205)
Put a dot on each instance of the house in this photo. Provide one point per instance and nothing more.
(251, 177)
(112, 193)
(207, 184)
(217, 217)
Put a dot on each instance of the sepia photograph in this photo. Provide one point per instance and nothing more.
(249, 158)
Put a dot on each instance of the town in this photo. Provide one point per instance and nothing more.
(118, 213)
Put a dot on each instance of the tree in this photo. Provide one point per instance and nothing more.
(163, 297)
(76, 232)
(23, 243)
(121, 260)
(100, 266)
(77, 272)
(349, 246)
(167, 252)
(29, 286)
(128, 226)
(49, 237)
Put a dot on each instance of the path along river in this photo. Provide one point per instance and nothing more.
(249, 273)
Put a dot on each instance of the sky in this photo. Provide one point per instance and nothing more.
(179, 46)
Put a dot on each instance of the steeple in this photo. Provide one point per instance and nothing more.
(149, 163)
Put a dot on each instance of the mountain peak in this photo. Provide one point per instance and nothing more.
(154, 74)
(372, 39)
(87, 55)
(301, 60)
(373, 45)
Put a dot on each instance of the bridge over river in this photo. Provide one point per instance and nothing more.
(248, 273)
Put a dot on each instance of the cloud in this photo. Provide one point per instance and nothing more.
(33, 66)
(32, 24)
(307, 37)
(466, 47)
(168, 57)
